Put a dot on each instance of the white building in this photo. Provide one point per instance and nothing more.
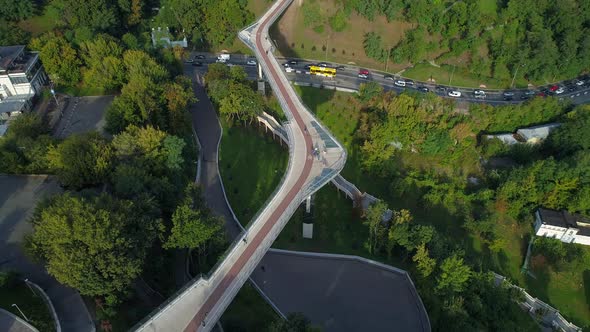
(21, 78)
(530, 135)
(163, 37)
(561, 225)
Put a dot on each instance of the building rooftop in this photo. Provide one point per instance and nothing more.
(565, 219)
(536, 133)
(15, 59)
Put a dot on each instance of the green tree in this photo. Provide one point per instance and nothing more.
(81, 160)
(338, 21)
(373, 47)
(102, 56)
(241, 103)
(312, 14)
(377, 229)
(454, 275)
(192, 225)
(572, 135)
(97, 246)
(424, 263)
(12, 34)
(60, 59)
(179, 95)
(16, 10)
(368, 91)
(94, 15)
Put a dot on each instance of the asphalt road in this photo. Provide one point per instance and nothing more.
(83, 114)
(18, 198)
(348, 77)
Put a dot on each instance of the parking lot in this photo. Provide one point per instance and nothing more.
(83, 114)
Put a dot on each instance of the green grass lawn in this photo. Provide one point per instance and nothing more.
(32, 305)
(248, 312)
(251, 166)
(37, 25)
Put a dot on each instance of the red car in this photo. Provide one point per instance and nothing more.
(363, 73)
(554, 88)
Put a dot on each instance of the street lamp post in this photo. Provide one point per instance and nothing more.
(515, 72)
(28, 285)
(387, 60)
(452, 73)
(17, 308)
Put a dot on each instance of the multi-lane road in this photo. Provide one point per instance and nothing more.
(347, 77)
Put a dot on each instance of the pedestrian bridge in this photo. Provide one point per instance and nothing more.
(315, 158)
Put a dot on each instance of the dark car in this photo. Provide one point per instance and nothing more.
(388, 77)
(410, 82)
(199, 56)
(197, 64)
(441, 89)
(293, 62)
(341, 67)
(423, 89)
(309, 66)
(323, 64)
(508, 95)
(572, 88)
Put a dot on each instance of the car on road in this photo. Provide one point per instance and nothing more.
(323, 64)
(197, 64)
(572, 87)
(441, 89)
(251, 62)
(221, 60)
(363, 73)
(199, 56)
(188, 61)
(308, 66)
(454, 93)
(400, 83)
(388, 77)
(341, 67)
(286, 65)
(423, 89)
(559, 90)
(527, 94)
(580, 82)
(508, 95)
(409, 82)
(479, 94)
(293, 62)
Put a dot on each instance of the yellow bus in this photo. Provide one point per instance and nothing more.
(322, 71)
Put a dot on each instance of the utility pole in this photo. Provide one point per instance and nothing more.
(387, 60)
(452, 73)
(514, 77)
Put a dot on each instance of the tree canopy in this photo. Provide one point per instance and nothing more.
(95, 245)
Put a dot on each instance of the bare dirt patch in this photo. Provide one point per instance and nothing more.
(294, 39)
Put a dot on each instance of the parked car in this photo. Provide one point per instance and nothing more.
(454, 93)
(401, 83)
(197, 64)
(363, 73)
(251, 62)
(424, 89)
(388, 77)
(199, 56)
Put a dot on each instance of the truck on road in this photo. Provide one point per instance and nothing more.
(223, 57)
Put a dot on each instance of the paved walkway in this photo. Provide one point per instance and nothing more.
(18, 197)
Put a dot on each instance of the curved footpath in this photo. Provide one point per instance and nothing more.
(200, 304)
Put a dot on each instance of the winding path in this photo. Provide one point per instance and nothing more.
(200, 304)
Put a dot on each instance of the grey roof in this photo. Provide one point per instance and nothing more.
(565, 219)
(8, 54)
(505, 138)
(14, 103)
(537, 132)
